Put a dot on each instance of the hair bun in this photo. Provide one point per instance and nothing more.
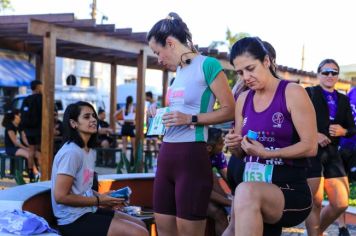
(173, 16)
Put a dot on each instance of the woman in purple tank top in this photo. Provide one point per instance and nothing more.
(274, 188)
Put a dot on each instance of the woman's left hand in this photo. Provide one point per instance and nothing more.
(336, 130)
(253, 148)
(175, 118)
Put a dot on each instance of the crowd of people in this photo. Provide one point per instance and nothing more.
(289, 147)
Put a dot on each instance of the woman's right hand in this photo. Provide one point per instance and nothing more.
(323, 140)
(108, 201)
(233, 140)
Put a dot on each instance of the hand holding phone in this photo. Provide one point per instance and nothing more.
(122, 193)
(252, 135)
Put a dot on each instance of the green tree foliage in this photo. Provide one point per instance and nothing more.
(5, 4)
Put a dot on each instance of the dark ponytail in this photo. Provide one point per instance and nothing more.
(173, 26)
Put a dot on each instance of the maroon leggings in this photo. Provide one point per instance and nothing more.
(183, 180)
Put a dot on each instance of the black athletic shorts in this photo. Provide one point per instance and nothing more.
(97, 223)
(327, 163)
(11, 151)
(128, 129)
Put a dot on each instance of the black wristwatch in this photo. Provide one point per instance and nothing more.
(194, 119)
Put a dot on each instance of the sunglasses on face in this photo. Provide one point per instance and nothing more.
(327, 72)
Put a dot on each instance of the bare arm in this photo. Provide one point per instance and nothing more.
(63, 195)
(24, 138)
(13, 138)
(223, 94)
(233, 138)
(304, 120)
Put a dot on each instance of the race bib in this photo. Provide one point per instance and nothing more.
(257, 172)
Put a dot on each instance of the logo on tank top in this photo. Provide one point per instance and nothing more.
(244, 121)
(277, 119)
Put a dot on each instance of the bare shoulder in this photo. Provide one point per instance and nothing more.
(294, 90)
(242, 96)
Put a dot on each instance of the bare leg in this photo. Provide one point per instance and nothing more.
(30, 163)
(256, 203)
(230, 230)
(125, 226)
(337, 190)
(166, 225)
(124, 144)
(190, 227)
(312, 223)
(219, 216)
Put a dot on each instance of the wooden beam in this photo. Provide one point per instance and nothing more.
(113, 99)
(38, 27)
(164, 87)
(12, 19)
(48, 77)
(140, 106)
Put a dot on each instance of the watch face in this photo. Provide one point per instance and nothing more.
(194, 119)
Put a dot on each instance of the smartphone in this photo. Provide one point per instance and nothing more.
(122, 193)
(252, 135)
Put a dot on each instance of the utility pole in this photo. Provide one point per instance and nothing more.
(303, 58)
(92, 65)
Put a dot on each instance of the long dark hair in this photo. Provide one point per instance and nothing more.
(255, 47)
(9, 117)
(174, 26)
(71, 134)
(129, 101)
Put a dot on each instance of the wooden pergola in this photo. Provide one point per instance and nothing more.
(62, 35)
(47, 36)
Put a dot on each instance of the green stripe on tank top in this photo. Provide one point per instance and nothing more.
(205, 99)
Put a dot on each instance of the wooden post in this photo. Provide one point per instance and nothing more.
(113, 99)
(164, 87)
(48, 77)
(140, 106)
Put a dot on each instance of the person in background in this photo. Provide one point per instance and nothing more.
(151, 140)
(14, 147)
(31, 120)
(274, 188)
(58, 131)
(219, 200)
(128, 128)
(348, 155)
(181, 193)
(104, 138)
(326, 171)
(78, 208)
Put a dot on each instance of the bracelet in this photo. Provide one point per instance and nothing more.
(97, 200)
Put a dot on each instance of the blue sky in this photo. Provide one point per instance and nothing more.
(325, 28)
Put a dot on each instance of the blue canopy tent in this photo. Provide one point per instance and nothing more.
(16, 73)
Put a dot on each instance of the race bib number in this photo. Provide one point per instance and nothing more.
(256, 172)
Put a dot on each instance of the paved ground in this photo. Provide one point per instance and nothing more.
(295, 231)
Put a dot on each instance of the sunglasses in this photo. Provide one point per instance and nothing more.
(328, 72)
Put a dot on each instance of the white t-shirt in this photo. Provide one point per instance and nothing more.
(76, 162)
(190, 93)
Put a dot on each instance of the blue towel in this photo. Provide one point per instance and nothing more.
(23, 223)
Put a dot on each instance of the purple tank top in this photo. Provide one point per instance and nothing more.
(274, 125)
(331, 100)
(218, 161)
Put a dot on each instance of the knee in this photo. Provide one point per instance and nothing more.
(339, 206)
(246, 196)
(317, 203)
